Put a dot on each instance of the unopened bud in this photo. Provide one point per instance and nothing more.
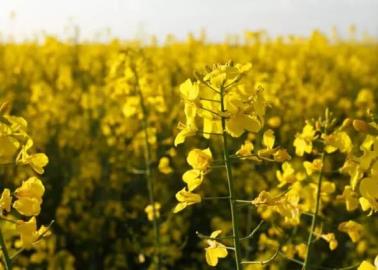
(4, 107)
(363, 127)
(360, 126)
(346, 123)
(281, 155)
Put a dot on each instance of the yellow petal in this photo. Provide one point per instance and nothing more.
(365, 265)
(268, 138)
(193, 178)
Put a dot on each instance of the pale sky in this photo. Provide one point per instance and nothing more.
(23, 19)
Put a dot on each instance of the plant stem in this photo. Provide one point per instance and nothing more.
(232, 200)
(7, 259)
(314, 217)
(150, 183)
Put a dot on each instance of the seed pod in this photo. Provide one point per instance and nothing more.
(363, 127)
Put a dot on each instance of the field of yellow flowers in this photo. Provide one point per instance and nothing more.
(255, 153)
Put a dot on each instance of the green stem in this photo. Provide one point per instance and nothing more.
(232, 200)
(314, 217)
(7, 259)
(150, 183)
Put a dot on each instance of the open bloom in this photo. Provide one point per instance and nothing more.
(186, 198)
(303, 141)
(215, 250)
(352, 228)
(5, 201)
(200, 159)
(29, 233)
(29, 197)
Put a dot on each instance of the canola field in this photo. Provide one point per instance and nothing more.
(254, 153)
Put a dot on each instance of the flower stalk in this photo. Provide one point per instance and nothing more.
(317, 203)
(150, 183)
(232, 200)
(7, 259)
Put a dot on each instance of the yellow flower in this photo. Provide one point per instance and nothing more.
(239, 123)
(28, 232)
(245, 149)
(350, 198)
(189, 90)
(301, 250)
(131, 106)
(353, 169)
(211, 126)
(331, 239)
(365, 265)
(288, 175)
(369, 191)
(32, 187)
(303, 141)
(286, 205)
(186, 198)
(193, 178)
(215, 250)
(29, 197)
(268, 139)
(314, 166)
(352, 228)
(200, 159)
(36, 161)
(338, 140)
(150, 211)
(164, 166)
(186, 131)
(5, 201)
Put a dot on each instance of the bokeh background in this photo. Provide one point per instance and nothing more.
(127, 19)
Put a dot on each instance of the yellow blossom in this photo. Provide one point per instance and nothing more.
(189, 90)
(186, 198)
(193, 178)
(303, 141)
(338, 140)
(365, 265)
(150, 211)
(164, 166)
(245, 149)
(352, 228)
(268, 139)
(331, 239)
(314, 166)
(5, 201)
(215, 250)
(288, 175)
(200, 159)
(29, 233)
(29, 197)
(350, 197)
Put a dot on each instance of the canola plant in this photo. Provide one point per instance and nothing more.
(255, 153)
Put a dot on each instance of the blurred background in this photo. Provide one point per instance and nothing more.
(125, 19)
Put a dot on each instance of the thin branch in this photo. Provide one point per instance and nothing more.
(217, 198)
(265, 262)
(254, 231)
(210, 111)
(203, 236)
(7, 259)
(209, 99)
(8, 219)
